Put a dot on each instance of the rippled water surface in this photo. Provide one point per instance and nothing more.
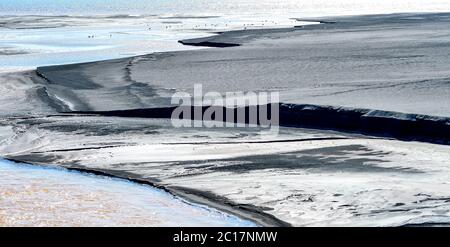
(305, 7)
(37, 196)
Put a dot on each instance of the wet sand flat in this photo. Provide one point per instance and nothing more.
(384, 62)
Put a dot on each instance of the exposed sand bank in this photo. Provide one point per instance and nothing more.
(302, 177)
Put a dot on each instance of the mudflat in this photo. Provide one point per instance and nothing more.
(392, 66)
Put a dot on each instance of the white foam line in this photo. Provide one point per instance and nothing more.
(5, 70)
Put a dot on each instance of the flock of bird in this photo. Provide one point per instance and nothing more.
(208, 26)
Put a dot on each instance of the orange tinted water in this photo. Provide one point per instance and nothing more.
(36, 196)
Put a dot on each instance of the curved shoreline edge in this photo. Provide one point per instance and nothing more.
(246, 212)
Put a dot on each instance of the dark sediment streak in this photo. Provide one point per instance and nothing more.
(208, 44)
(407, 127)
(268, 141)
(234, 38)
